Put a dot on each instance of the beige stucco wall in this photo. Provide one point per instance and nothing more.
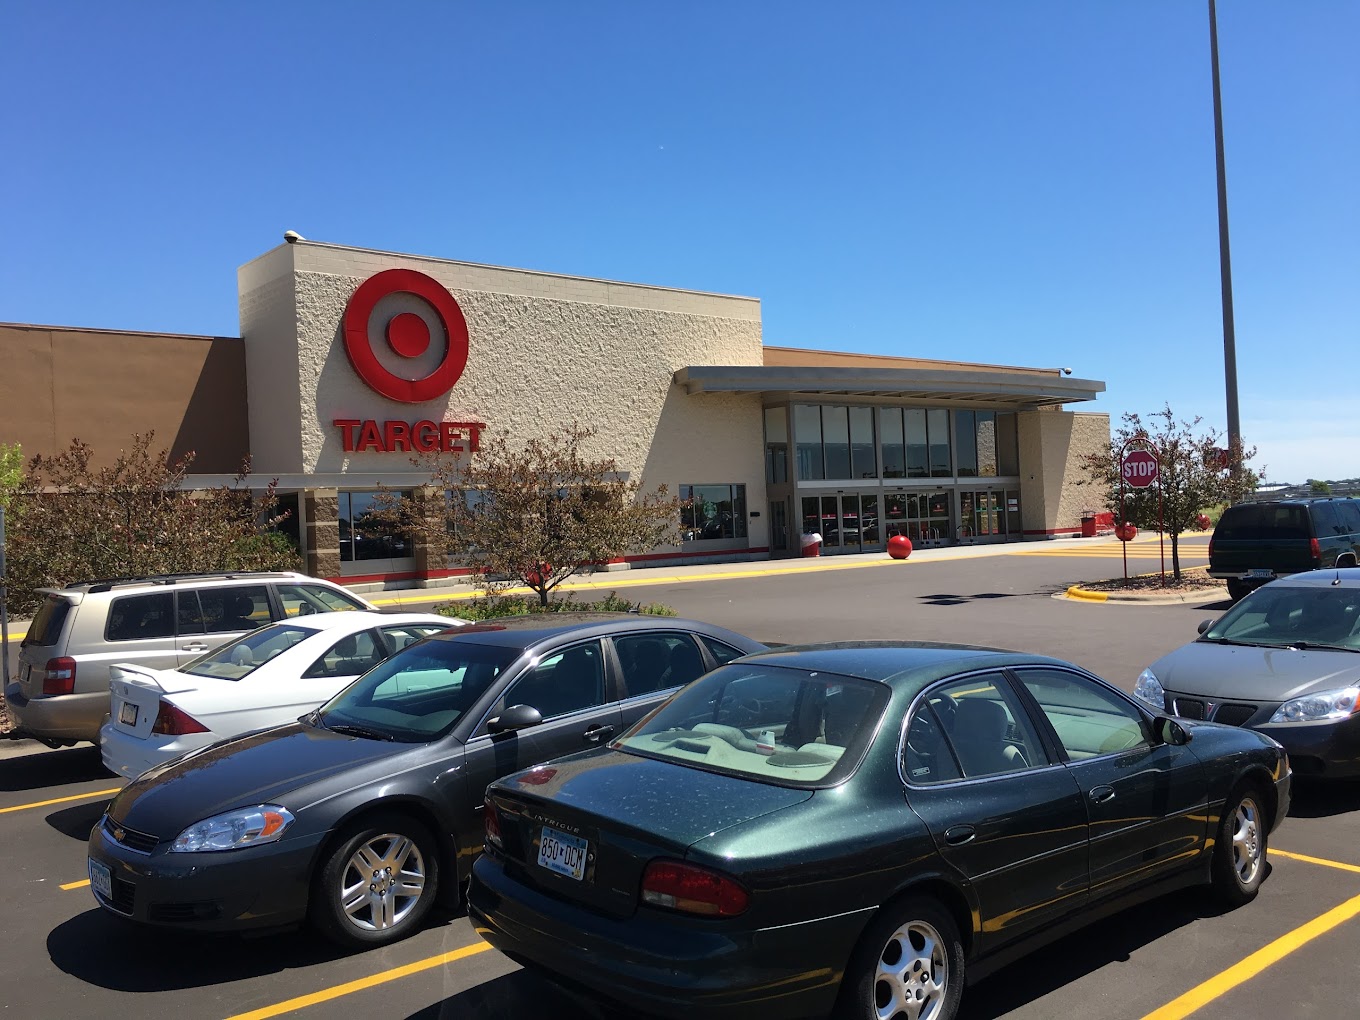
(543, 350)
(1052, 447)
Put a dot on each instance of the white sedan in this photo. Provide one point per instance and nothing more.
(266, 678)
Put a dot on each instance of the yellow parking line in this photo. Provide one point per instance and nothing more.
(335, 992)
(1245, 970)
(60, 800)
(1315, 860)
(75, 885)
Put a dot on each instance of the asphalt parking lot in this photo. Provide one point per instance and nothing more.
(1289, 953)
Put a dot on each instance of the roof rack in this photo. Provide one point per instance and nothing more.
(108, 583)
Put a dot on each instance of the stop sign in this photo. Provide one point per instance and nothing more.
(1139, 469)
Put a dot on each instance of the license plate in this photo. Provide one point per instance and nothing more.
(127, 715)
(1260, 573)
(101, 879)
(562, 853)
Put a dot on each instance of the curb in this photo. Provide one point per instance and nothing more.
(1079, 594)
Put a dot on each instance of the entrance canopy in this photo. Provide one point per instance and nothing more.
(1020, 390)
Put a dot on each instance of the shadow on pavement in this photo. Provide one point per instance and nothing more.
(1323, 798)
(52, 768)
(77, 821)
(1074, 957)
(511, 997)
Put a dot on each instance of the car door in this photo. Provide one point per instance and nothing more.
(1003, 815)
(1145, 799)
(652, 666)
(570, 686)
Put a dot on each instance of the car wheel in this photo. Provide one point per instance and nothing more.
(1239, 861)
(907, 966)
(1237, 589)
(378, 883)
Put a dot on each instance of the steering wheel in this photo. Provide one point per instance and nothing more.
(924, 728)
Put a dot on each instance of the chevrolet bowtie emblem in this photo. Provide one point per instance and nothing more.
(118, 834)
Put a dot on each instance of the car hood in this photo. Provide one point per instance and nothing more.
(270, 766)
(1240, 672)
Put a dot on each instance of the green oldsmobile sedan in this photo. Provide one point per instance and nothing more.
(859, 829)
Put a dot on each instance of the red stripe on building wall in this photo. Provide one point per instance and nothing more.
(415, 575)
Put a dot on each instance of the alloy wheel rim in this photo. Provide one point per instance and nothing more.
(912, 974)
(1246, 841)
(382, 882)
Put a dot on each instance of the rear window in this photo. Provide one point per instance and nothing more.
(1257, 521)
(47, 624)
(772, 724)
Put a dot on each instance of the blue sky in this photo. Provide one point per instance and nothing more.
(1012, 182)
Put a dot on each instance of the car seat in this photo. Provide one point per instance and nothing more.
(980, 739)
(646, 666)
(686, 664)
(1325, 620)
(571, 685)
(237, 612)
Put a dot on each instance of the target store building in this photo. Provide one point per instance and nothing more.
(353, 362)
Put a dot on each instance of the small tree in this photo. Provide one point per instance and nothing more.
(538, 514)
(1194, 472)
(11, 471)
(73, 521)
(1317, 487)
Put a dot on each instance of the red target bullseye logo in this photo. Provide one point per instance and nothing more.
(407, 335)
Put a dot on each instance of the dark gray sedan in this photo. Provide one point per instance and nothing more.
(360, 814)
(1285, 661)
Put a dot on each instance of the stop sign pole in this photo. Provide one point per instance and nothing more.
(1138, 469)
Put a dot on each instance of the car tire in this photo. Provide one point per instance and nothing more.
(1238, 590)
(1239, 858)
(377, 883)
(912, 955)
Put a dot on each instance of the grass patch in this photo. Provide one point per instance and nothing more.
(496, 606)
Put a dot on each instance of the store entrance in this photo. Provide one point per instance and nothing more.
(924, 517)
(849, 522)
(989, 515)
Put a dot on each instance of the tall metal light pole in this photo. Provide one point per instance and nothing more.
(1224, 258)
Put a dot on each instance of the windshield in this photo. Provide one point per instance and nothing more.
(244, 656)
(419, 693)
(1290, 616)
(770, 723)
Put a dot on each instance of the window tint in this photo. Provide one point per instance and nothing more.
(978, 721)
(1349, 512)
(722, 653)
(46, 627)
(234, 609)
(657, 662)
(1283, 615)
(352, 655)
(1255, 521)
(1088, 719)
(243, 656)
(188, 612)
(1326, 523)
(565, 682)
(303, 599)
(138, 617)
(397, 638)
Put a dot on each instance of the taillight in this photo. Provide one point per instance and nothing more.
(59, 677)
(693, 890)
(1211, 550)
(492, 823)
(174, 722)
(1315, 551)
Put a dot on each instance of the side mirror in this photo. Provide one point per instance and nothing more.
(1205, 624)
(1169, 731)
(516, 717)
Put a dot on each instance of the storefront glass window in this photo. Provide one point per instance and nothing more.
(776, 444)
(965, 444)
(712, 511)
(363, 539)
(807, 431)
(1007, 447)
(836, 441)
(863, 459)
(986, 444)
(894, 452)
(918, 459)
(937, 421)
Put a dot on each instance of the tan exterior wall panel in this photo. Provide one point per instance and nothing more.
(1052, 448)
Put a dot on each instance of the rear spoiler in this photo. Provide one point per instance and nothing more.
(72, 597)
(138, 675)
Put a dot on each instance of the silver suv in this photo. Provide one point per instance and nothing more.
(61, 694)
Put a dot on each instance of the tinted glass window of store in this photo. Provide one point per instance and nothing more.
(364, 538)
(712, 512)
(844, 443)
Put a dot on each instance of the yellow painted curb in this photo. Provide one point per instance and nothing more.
(1077, 592)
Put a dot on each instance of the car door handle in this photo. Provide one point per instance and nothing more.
(957, 835)
(597, 733)
(1102, 794)
(196, 647)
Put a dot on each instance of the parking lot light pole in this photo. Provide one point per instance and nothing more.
(1224, 257)
(4, 607)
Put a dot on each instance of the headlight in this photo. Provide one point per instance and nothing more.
(1321, 707)
(1148, 688)
(233, 829)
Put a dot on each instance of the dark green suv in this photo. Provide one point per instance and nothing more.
(1258, 542)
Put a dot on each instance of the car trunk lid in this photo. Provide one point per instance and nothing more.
(584, 828)
(135, 694)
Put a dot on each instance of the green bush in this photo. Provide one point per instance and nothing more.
(495, 606)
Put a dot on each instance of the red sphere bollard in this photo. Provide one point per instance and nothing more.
(1125, 532)
(899, 547)
(1203, 521)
